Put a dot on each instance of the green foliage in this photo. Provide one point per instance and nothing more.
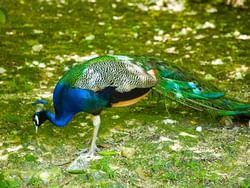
(170, 176)
(8, 183)
(108, 153)
(103, 164)
(14, 183)
(30, 158)
(3, 182)
(3, 16)
(14, 158)
(35, 182)
(245, 183)
(20, 84)
(229, 149)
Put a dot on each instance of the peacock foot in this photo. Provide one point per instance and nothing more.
(85, 151)
(81, 163)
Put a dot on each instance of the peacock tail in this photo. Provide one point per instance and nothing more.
(179, 86)
(122, 78)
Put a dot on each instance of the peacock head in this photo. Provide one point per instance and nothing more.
(39, 116)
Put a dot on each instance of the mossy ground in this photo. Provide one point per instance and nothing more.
(39, 40)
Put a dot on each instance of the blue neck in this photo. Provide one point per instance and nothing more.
(69, 100)
(57, 120)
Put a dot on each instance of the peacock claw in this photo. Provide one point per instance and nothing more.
(97, 149)
(84, 151)
(81, 163)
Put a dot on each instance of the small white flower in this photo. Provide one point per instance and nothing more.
(2, 70)
(35, 62)
(90, 37)
(41, 65)
(217, 62)
(244, 37)
(198, 129)
(44, 176)
(37, 48)
(169, 121)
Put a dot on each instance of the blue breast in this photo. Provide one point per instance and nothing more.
(69, 100)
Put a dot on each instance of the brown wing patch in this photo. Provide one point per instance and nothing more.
(128, 102)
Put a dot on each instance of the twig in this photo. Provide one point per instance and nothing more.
(64, 163)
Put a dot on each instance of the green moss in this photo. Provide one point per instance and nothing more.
(30, 158)
(3, 16)
(12, 118)
(5, 183)
(103, 165)
(35, 182)
(14, 158)
(20, 84)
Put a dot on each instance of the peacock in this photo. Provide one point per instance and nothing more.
(117, 81)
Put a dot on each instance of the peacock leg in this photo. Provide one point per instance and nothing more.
(93, 147)
(82, 162)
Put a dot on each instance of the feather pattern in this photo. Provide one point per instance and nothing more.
(111, 71)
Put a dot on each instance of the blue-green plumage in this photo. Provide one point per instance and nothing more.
(113, 81)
